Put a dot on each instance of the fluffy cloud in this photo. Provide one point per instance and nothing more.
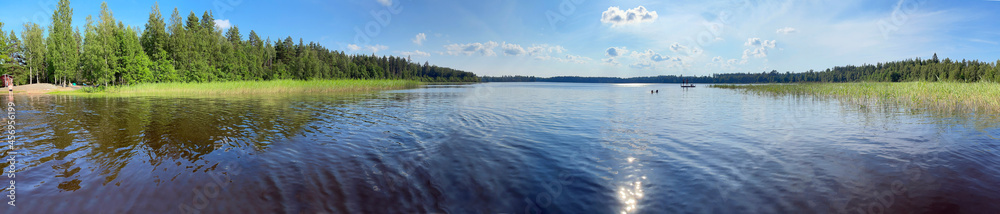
(653, 56)
(786, 30)
(649, 59)
(510, 49)
(616, 16)
(223, 24)
(677, 47)
(616, 51)
(387, 3)
(373, 49)
(758, 47)
(415, 53)
(419, 40)
(484, 49)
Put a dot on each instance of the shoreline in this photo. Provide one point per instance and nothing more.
(42, 88)
(948, 96)
(247, 87)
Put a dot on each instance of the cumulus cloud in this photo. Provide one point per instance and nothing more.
(484, 49)
(510, 49)
(653, 56)
(758, 47)
(372, 49)
(786, 30)
(650, 59)
(616, 16)
(223, 23)
(416, 53)
(616, 51)
(677, 47)
(544, 49)
(420, 38)
(386, 3)
(717, 59)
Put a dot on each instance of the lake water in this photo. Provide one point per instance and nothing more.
(501, 148)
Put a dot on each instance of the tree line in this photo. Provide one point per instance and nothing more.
(929, 70)
(180, 49)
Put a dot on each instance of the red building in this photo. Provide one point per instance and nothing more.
(7, 80)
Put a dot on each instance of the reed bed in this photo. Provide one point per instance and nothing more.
(252, 87)
(946, 96)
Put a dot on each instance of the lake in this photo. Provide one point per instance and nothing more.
(501, 148)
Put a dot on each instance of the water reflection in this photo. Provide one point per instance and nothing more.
(631, 193)
(502, 148)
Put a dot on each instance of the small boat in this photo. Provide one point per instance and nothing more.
(687, 86)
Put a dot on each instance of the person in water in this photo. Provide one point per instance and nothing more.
(657, 91)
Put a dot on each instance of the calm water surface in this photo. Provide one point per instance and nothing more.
(500, 148)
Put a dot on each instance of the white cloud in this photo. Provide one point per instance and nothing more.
(415, 53)
(649, 59)
(544, 49)
(717, 59)
(616, 16)
(510, 49)
(677, 47)
(786, 30)
(616, 51)
(420, 38)
(758, 47)
(386, 3)
(484, 49)
(653, 56)
(223, 24)
(372, 49)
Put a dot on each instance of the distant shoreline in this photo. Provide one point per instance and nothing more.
(947, 96)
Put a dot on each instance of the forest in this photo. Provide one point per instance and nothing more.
(928, 70)
(180, 49)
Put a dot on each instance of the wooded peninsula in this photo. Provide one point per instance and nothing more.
(191, 50)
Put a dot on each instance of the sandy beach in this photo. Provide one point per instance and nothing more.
(41, 88)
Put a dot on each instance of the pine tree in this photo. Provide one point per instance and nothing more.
(154, 38)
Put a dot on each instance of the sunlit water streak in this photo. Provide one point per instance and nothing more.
(501, 148)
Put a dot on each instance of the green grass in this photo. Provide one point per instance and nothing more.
(250, 87)
(949, 96)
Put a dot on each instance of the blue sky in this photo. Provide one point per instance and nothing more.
(623, 38)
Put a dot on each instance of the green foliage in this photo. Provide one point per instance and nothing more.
(34, 51)
(63, 46)
(6, 49)
(155, 37)
(192, 49)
